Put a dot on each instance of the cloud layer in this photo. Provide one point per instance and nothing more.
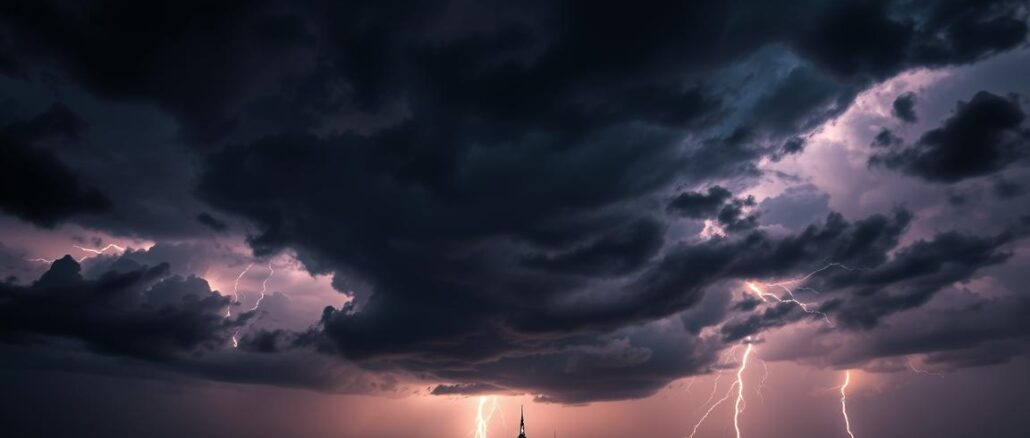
(555, 198)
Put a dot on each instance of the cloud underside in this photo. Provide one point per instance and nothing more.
(503, 193)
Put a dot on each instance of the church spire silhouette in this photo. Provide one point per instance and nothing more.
(522, 422)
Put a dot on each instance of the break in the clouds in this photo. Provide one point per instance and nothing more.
(554, 198)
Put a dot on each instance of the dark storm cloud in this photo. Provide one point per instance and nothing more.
(776, 315)
(984, 136)
(34, 184)
(870, 38)
(876, 43)
(139, 321)
(886, 138)
(792, 146)
(734, 219)
(986, 332)
(180, 56)
(697, 205)
(807, 97)
(508, 339)
(915, 274)
(622, 251)
(245, 59)
(719, 204)
(142, 313)
(904, 108)
(212, 222)
(630, 364)
(866, 295)
(467, 388)
(1007, 189)
(975, 331)
(492, 176)
(710, 311)
(474, 219)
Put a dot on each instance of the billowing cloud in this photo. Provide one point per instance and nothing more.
(212, 222)
(904, 108)
(862, 297)
(984, 136)
(142, 313)
(507, 194)
(37, 186)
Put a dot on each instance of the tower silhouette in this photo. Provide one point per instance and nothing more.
(522, 422)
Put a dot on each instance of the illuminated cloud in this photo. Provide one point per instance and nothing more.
(559, 200)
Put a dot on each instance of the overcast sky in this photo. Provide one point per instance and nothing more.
(366, 219)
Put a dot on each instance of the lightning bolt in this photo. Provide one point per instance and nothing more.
(236, 296)
(483, 416)
(738, 385)
(918, 370)
(100, 250)
(236, 289)
(690, 384)
(264, 287)
(761, 385)
(715, 388)
(765, 297)
(710, 409)
(811, 274)
(236, 299)
(715, 385)
(739, 406)
(789, 297)
(96, 251)
(844, 402)
(786, 285)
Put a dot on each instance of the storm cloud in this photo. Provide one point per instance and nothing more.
(984, 136)
(510, 195)
(143, 313)
(37, 186)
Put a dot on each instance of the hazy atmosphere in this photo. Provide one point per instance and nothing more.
(390, 219)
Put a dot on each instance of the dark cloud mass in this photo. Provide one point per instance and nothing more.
(503, 188)
(984, 136)
(698, 205)
(882, 288)
(36, 185)
(142, 313)
(904, 108)
(885, 138)
(212, 222)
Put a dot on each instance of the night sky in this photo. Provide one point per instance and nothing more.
(389, 219)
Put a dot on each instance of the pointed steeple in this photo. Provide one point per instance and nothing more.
(522, 422)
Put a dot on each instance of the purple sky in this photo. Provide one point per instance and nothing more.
(369, 220)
